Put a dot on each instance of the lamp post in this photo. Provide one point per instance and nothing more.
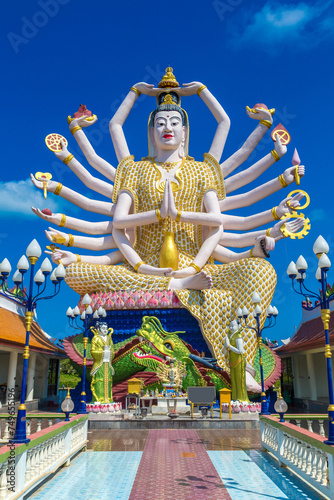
(271, 315)
(67, 405)
(72, 315)
(297, 273)
(30, 300)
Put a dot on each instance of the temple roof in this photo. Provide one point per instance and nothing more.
(13, 331)
(310, 335)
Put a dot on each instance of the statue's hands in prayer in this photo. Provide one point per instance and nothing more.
(226, 342)
(147, 89)
(261, 114)
(188, 88)
(164, 204)
(53, 218)
(57, 237)
(290, 173)
(83, 121)
(64, 256)
(288, 204)
(172, 211)
(279, 148)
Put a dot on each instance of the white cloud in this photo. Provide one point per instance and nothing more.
(296, 25)
(17, 198)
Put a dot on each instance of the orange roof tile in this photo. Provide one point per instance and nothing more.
(13, 332)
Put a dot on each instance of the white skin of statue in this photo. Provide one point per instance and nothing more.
(168, 137)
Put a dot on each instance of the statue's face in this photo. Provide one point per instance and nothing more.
(168, 133)
(234, 326)
(103, 329)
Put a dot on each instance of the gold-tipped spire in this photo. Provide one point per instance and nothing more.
(168, 80)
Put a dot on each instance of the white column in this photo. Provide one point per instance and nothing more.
(31, 376)
(11, 372)
(311, 377)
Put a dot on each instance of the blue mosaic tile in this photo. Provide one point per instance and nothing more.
(93, 476)
(254, 475)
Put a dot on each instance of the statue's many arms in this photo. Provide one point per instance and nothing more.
(168, 226)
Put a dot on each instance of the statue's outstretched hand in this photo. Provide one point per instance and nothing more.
(57, 236)
(64, 151)
(294, 226)
(269, 244)
(288, 204)
(51, 185)
(147, 89)
(290, 173)
(83, 121)
(53, 218)
(279, 148)
(189, 88)
(261, 114)
(65, 256)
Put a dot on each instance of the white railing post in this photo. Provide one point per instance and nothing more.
(3, 480)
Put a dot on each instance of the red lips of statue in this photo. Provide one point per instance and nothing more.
(167, 136)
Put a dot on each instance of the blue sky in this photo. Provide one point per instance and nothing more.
(58, 54)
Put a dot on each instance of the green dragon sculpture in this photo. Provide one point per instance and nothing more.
(142, 353)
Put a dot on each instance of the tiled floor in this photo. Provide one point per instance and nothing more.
(174, 465)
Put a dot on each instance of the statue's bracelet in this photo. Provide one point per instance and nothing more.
(202, 87)
(195, 266)
(137, 266)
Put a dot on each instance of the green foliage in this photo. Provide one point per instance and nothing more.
(68, 377)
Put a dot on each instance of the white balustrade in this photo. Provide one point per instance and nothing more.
(306, 456)
(42, 459)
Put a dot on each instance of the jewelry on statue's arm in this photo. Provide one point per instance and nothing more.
(101, 207)
(89, 180)
(84, 226)
(92, 157)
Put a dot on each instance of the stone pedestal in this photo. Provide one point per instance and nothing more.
(162, 407)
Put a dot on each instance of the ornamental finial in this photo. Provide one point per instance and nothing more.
(168, 80)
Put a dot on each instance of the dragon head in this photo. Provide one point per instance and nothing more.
(157, 344)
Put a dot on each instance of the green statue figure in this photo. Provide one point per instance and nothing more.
(102, 351)
(234, 344)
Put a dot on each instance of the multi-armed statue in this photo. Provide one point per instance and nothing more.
(169, 213)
